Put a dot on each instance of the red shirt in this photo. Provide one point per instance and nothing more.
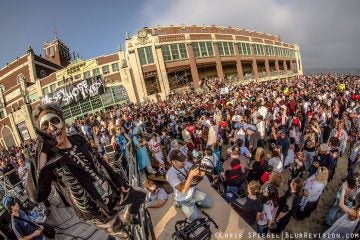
(265, 177)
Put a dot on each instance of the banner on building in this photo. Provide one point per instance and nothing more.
(76, 92)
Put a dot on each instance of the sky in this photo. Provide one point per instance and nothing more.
(328, 31)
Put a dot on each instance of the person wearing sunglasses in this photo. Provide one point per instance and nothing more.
(22, 229)
(88, 183)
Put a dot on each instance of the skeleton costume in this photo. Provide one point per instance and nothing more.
(86, 181)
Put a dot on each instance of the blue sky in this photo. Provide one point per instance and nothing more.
(327, 31)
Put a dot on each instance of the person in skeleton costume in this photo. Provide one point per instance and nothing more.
(85, 180)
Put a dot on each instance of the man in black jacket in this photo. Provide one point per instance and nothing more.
(87, 182)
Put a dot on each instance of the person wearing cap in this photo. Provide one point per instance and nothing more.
(181, 176)
(88, 183)
(323, 159)
(253, 137)
(22, 229)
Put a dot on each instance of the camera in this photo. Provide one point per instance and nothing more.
(203, 168)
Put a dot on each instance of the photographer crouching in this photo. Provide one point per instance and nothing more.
(86, 181)
(183, 177)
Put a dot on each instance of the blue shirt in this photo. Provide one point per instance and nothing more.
(22, 228)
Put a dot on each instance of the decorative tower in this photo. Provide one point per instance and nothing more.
(57, 52)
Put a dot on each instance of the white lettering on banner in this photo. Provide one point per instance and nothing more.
(76, 92)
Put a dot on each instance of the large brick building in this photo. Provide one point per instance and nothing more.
(166, 58)
(155, 62)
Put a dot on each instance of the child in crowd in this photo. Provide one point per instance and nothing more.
(155, 197)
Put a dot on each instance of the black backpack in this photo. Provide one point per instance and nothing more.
(199, 229)
(234, 176)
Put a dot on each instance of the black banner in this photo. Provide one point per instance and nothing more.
(76, 92)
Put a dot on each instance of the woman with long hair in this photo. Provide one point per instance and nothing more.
(259, 165)
(352, 186)
(270, 198)
(313, 188)
(346, 225)
(276, 160)
(288, 205)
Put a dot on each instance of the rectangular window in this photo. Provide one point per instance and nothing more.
(96, 72)
(142, 56)
(46, 90)
(226, 48)
(53, 87)
(210, 49)
(166, 52)
(248, 49)
(174, 52)
(203, 49)
(115, 67)
(221, 48)
(196, 49)
(231, 48)
(2, 114)
(267, 50)
(149, 55)
(272, 50)
(145, 55)
(86, 74)
(258, 49)
(244, 48)
(77, 76)
(51, 51)
(262, 52)
(106, 69)
(183, 51)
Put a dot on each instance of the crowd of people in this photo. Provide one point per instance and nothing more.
(242, 140)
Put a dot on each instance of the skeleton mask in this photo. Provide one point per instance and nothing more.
(51, 119)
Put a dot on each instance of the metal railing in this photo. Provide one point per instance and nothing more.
(144, 231)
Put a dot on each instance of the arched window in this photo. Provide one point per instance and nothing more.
(8, 136)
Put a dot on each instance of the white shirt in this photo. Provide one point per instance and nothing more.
(186, 136)
(159, 194)
(179, 176)
(240, 134)
(268, 213)
(212, 137)
(261, 128)
(21, 170)
(314, 187)
(155, 145)
(210, 161)
(263, 111)
(276, 163)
